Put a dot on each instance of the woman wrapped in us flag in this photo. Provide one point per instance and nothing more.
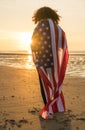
(50, 55)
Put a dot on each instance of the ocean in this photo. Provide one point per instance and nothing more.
(75, 67)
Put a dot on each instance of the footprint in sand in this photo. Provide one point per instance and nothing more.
(33, 111)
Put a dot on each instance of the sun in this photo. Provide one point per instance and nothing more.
(24, 39)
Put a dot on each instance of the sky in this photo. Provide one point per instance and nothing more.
(16, 25)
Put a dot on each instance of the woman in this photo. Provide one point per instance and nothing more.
(50, 55)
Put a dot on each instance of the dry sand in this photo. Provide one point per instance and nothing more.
(20, 102)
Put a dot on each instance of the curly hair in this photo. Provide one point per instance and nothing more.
(44, 13)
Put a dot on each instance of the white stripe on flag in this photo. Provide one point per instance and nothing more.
(53, 42)
(60, 105)
(50, 109)
(59, 44)
(49, 72)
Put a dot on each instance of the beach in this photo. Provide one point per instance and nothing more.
(21, 101)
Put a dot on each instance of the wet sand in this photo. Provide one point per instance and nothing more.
(21, 101)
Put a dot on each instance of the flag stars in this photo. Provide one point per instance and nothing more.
(47, 28)
(45, 64)
(40, 30)
(44, 56)
(44, 33)
(48, 59)
(36, 53)
(49, 46)
(42, 47)
(43, 24)
(51, 55)
(51, 63)
(41, 60)
(45, 42)
(48, 37)
(47, 51)
(37, 60)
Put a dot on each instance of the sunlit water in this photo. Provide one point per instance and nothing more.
(76, 64)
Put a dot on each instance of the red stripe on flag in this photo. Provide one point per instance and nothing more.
(54, 107)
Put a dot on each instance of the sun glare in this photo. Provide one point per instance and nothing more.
(24, 39)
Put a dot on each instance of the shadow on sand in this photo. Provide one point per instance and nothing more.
(61, 121)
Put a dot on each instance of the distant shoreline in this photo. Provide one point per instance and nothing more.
(14, 53)
(27, 53)
(75, 52)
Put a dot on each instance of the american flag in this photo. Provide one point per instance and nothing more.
(50, 54)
